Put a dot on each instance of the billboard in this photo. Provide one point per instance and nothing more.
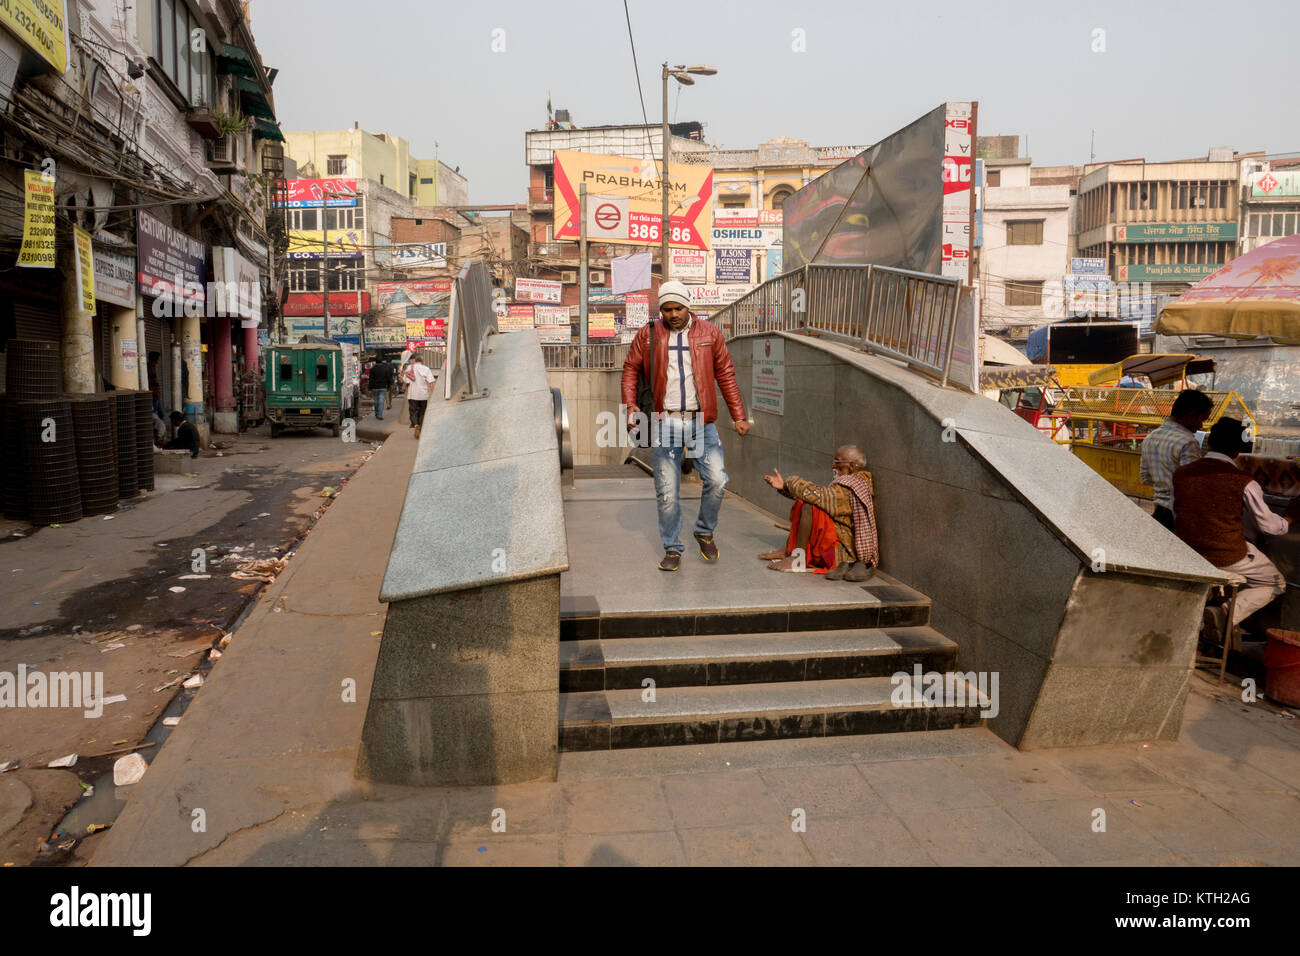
(538, 290)
(516, 319)
(688, 264)
(313, 303)
(398, 302)
(315, 193)
(958, 189)
(169, 261)
(732, 265)
(40, 24)
(895, 215)
(637, 182)
(1274, 185)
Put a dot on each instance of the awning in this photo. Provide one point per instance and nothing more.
(253, 99)
(267, 130)
(1162, 369)
(234, 60)
(1255, 294)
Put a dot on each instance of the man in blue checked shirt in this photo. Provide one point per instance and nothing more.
(1171, 446)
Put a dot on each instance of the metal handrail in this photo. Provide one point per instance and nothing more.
(901, 314)
(602, 355)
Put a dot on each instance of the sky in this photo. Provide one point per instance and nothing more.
(1156, 79)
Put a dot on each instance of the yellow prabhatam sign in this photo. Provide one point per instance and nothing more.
(37, 251)
(42, 25)
(637, 185)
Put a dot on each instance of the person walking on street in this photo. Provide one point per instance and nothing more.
(689, 363)
(381, 380)
(418, 391)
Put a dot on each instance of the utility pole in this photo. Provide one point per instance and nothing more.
(663, 183)
(582, 272)
(325, 257)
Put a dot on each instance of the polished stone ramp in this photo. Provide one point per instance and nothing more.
(734, 651)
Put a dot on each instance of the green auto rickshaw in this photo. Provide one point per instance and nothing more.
(308, 386)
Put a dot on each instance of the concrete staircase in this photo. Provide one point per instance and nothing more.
(808, 670)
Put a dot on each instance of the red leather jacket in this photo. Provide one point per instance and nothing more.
(710, 363)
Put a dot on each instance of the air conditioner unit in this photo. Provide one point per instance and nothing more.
(569, 275)
(221, 152)
(595, 277)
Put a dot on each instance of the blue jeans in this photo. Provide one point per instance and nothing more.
(673, 438)
(380, 394)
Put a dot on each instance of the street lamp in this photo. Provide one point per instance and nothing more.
(682, 75)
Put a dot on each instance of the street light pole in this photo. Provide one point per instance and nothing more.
(663, 184)
(681, 75)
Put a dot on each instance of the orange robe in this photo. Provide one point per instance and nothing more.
(821, 539)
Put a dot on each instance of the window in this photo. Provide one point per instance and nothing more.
(1025, 232)
(426, 180)
(994, 177)
(1024, 292)
(303, 220)
(322, 369)
(345, 276)
(305, 277)
(381, 179)
(286, 370)
(336, 166)
(188, 69)
(733, 203)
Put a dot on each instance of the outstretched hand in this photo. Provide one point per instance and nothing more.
(775, 480)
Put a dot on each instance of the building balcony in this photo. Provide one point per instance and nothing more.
(540, 199)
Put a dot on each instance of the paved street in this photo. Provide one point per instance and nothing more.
(96, 596)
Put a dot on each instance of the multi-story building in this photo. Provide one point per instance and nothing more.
(138, 117)
(1167, 224)
(380, 157)
(1270, 201)
(1024, 248)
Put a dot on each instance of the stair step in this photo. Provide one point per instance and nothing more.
(886, 604)
(614, 719)
(716, 660)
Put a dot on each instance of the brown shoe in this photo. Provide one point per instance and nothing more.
(859, 572)
(837, 573)
(671, 562)
(417, 431)
(708, 549)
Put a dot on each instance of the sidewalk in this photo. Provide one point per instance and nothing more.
(267, 753)
(277, 724)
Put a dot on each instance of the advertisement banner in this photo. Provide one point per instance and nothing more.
(423, 299)
(709, 295)
(85, 269)
(538, 290)
(1091, 267)
(1171, 272)
(313, 303)
(554, 334)
(343, 244)
(775, 257)
(37, 251)
(240, 292)
(42, 25)
(600, 325)
(426, 255)
(1177, 232)
(688, 264)
(114, 278)
(166, 256)
(551, 315)
(129, 354)
(732, 265)
(1274, 185)
(516, 319)
(728, 218)
(385, 335)
(958, 183)
(746, 237)
(637, 309)
(313, 193)
(690, 198)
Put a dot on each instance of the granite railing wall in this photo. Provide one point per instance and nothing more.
(1037, 567)
(466, 687)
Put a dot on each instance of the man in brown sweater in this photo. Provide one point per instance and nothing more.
(1211, 496)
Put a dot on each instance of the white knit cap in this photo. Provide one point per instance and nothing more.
(674, 291)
